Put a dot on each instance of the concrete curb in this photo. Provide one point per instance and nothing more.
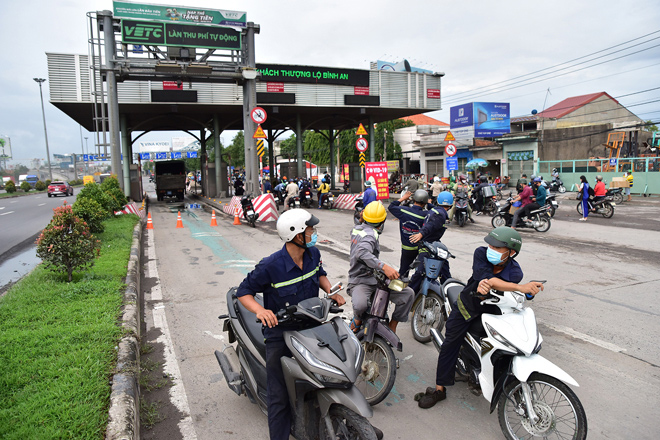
(124, 415)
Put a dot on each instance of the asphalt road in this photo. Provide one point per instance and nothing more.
(598, 315)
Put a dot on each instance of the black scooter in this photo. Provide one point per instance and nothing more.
(248, 210)
(320, 375)
(461, 201)
(557, 185)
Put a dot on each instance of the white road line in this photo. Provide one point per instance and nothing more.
(5, 213)
(171, 367)
(2, 207)
(240, 261)
(218, 337)
(41, 204)
(586, 338)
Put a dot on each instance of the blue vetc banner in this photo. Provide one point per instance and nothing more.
(161, 155)
(491, 119)
(144, 156)
(176, 155)
(461, 116)
(192, 155)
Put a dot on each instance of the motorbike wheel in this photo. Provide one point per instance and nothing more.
(461, 220)
(490, 208)
(579, 207)
(607, 210)
(562, 189)
(552, 211)
(347, 424)
(378, 371)
(559, 410)
(499, 195)
(498, 221)
(543, 223)
(427, 315)
(618, 198)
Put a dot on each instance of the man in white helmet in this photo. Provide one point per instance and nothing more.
(288, 276)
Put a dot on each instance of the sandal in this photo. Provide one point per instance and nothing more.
(355, 327)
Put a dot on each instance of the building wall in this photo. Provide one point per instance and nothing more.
(512, 147)
(604, 109)
(575, 142)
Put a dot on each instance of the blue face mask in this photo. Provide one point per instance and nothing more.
(312, 241)
(493, 256)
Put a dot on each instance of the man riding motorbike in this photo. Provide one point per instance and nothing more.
(323, 191)
(292, 190)
(461, 187)
(479, 205)
(364, 253)
(535, 202)
(493, 267)
(411, 218)
(285, 278)
(524, 197)
(599, 190)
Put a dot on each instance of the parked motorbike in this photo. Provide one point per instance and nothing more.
(616, 194)
(461, 208)
(328, 200)
(605, 207)
(359, 207)
(557, 185)
(248, 210)
(499, 359)
(306, 197)
(430, 308)
(551, 200)
(379, 366)
(279, 198)
(320, 376)
(539, 219)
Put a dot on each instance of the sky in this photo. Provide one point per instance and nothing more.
(477, 44)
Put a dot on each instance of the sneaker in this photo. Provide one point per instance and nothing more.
(471, 219)
(429, 400)
(429, 391)
(479, 213)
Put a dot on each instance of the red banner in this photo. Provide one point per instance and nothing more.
(274, 87)
(361, 90)
(433, 93)
(377, 172)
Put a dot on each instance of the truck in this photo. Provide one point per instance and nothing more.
(170, 179)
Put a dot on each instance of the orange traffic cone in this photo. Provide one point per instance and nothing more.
(179, 223)
(237, 220)
(213, 221)
(150, 225)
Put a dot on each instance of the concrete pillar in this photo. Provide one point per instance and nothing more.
(113, 100)
(372, 140)
(127, 154)
(203, 160)
(271, 155)
(299, 147)
(218, 151)
(331, 140)
(249, 102)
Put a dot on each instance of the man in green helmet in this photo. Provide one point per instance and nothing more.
(493, 267)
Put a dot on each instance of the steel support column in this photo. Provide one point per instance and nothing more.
(203, 163)
(218, 152)
(372, 140)
(113, 100)
(126, 151)
(299, 147)
(249, 102)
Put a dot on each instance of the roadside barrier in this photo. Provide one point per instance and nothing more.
(263, 204)
(345, 201)
(179, 223)
(214, 222)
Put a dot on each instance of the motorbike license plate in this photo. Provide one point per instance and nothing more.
(612, 203)
(497, 204)
(555, 204)
(169, 193)
(250, 212)
(307, 196)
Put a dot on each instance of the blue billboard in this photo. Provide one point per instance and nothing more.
(481, 119)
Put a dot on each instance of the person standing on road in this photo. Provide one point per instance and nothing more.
(370, 194)
(285, 278)
(436, 188)
(493, 267)
(629, 177)
(584, 192)
(365, 250)
(411, 219)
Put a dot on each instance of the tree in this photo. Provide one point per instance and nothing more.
(20, 169)
(236, 151)
(650, 126)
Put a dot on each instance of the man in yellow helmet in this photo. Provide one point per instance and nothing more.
(364, 258)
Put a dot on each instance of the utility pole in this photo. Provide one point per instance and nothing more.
(43, 113)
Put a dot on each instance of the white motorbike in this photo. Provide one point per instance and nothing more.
(499, 359)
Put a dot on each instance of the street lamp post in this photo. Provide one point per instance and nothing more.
(82, 147)
(43, 113)
(87, 149)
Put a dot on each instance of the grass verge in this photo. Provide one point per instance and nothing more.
(57, 345)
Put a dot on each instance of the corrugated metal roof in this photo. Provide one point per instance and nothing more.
(569, 105)
(425, 120)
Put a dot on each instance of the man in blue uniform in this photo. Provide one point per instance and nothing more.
(369, 195)
(411, 218)
(288, 276)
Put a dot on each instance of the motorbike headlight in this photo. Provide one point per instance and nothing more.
(499, 338)
(316, 362)
(442, 253)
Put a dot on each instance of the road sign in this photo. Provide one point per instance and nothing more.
(258, 115)
(362, 144)
(161, 155)
(259, 133)
(191, 154)
(449, 137)
(361, 131)
(450, 149)
(452, 163)
(144, 156)
(176, 155)
(361, 160)
(260, 148)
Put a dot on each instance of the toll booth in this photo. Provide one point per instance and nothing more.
(355, 173)
(136, 183)
(210, 184)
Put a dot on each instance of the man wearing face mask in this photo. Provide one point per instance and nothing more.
(493, 267)
(288, 276)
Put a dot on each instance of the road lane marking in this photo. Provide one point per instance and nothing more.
(218, 337)
(41, 204)
(5, 213)
(171, 367)
(586, 338)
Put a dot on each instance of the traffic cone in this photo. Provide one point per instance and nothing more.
(237, 220)
(150, 225)
(213, 221)
(179, 223)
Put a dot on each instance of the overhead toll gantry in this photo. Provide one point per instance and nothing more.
(147, 73)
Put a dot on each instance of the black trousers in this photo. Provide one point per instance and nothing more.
(279, 409)
(455, 330)
(407, 258)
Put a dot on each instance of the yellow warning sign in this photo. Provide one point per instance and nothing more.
(361, 131)
(362, 160)
(259, 133)
(260, 148)
(449, 137)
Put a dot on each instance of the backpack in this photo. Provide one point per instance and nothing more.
(591, 191)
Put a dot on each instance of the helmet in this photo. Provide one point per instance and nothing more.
(445, 199)
(452, 178)
(421, 196)
(293, 222)
(462, 178)
(374, 213)
(504, 237)
(367, 183)
(536, 179)
(323, 180)
(436, 179)
(483, 179)
(599, 177)
(283, 177)
(554, 170)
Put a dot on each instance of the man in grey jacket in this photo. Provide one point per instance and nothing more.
(365, 250)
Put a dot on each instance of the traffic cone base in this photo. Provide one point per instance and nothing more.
(150, 225)
(214, 222)
(179, 223)
(237, 220)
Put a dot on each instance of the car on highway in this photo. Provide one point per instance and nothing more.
(58, 188)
